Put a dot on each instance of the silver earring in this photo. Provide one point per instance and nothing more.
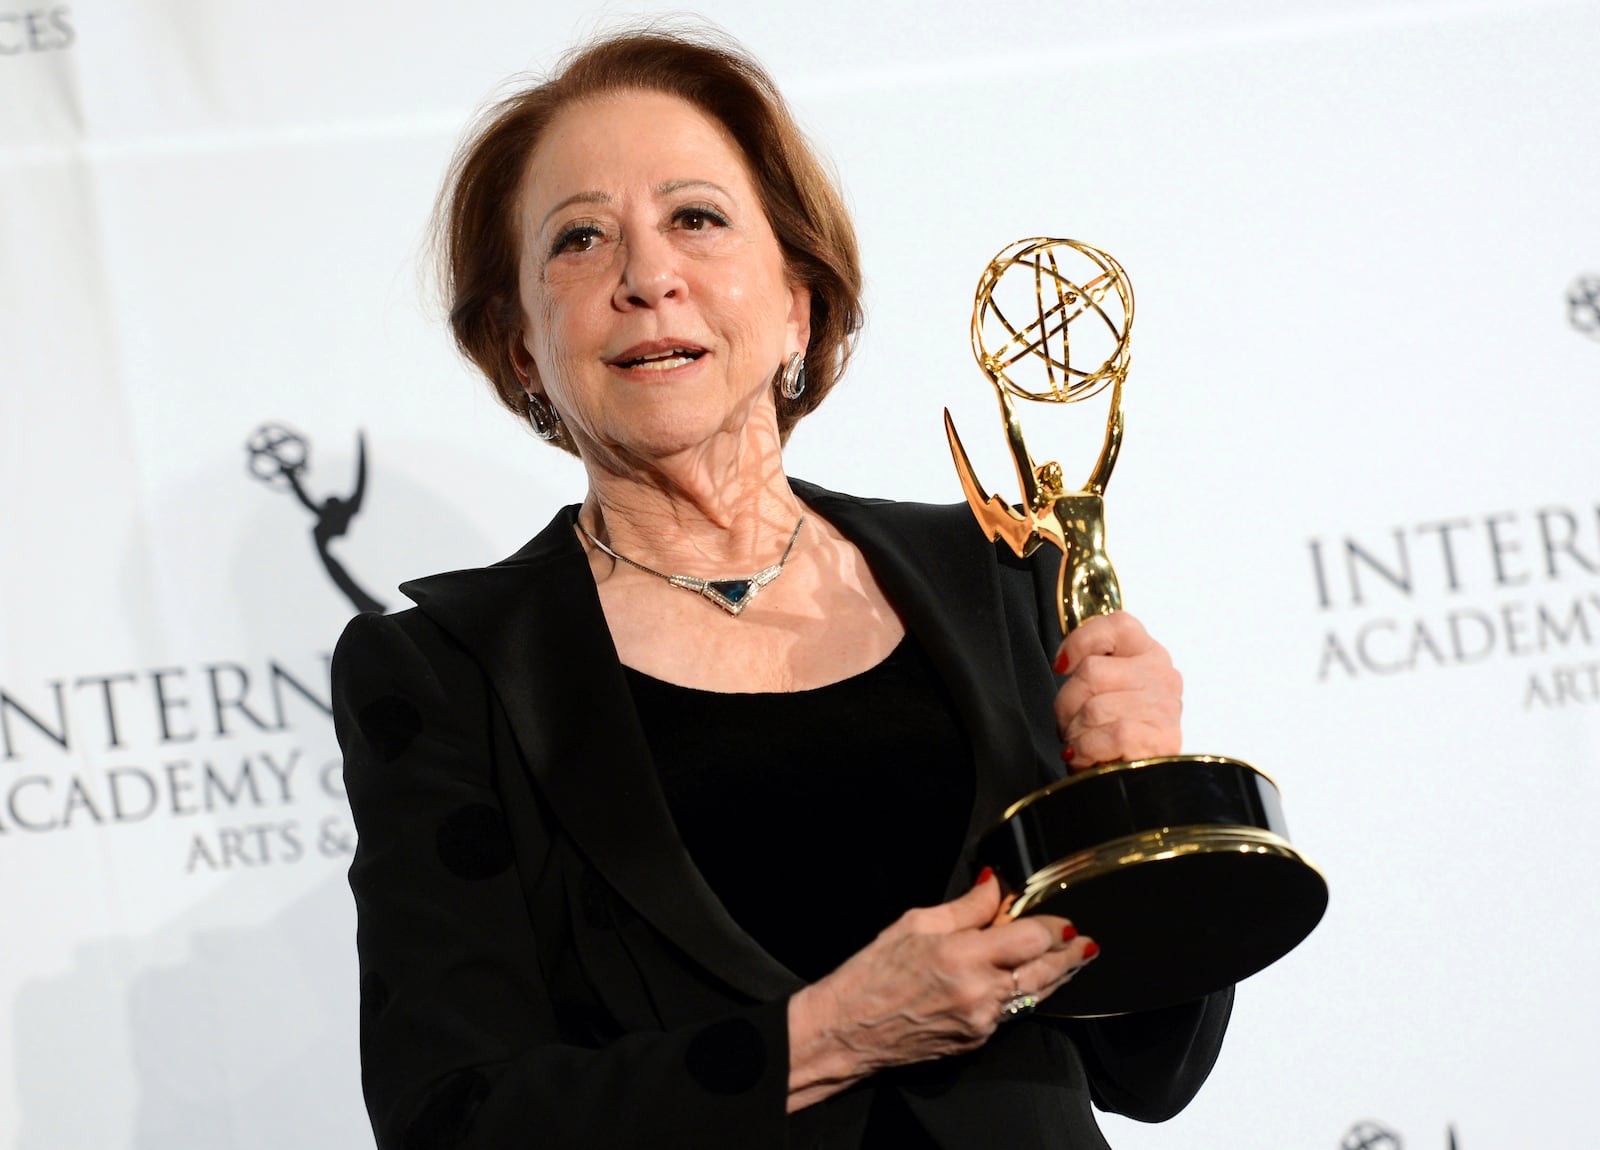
(792, 382)
(546, 420)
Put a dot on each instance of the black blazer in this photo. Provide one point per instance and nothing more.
(541, 963)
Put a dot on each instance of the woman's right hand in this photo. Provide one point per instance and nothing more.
(934, 983)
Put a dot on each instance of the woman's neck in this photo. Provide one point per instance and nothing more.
(718, 508)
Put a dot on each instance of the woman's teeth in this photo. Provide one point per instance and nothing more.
(666, 361)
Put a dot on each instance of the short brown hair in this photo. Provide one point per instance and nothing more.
(477, 236)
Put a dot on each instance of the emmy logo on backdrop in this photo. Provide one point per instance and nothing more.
(279, 457)
(1179, 866)
(1583, 305)
(1369, 1135)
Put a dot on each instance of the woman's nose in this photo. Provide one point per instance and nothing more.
(649, 272)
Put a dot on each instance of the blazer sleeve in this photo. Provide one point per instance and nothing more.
(1147, 1066)
(1150, 1065)
(460, 1042)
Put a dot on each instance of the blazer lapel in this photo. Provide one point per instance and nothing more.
(535, 625)
(940, 573)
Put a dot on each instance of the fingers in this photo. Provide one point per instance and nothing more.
(975, 938)
(977, 908)
(1042, 973)
(1003, 911)
(1121, 742)
(1107, 674)
(1118, 633)
(1124, 698)
(1022, 940)
(1032, 955)
(1049, 973)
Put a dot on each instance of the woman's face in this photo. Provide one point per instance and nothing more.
(653, 290)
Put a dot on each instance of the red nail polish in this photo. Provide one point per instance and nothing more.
(1061, 663)
(1090, 949)
(984, 876)
(1066, 754)
(1068, 933)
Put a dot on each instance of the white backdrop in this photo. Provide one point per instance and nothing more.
(1358, 497)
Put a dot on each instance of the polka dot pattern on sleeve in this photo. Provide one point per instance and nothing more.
(727, 1057)
(389, 725)
(473, 842)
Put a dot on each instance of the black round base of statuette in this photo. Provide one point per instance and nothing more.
(1180, 868)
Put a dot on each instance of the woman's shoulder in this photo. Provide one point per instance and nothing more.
(463, 601)
(891, 512)
(376, 649)
(554, 544)
(452, 607)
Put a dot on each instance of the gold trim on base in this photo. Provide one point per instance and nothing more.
(1148, 846)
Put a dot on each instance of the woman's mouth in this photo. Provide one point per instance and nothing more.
(658, 357)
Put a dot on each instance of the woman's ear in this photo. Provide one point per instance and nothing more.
(522, 363)
(799, 321)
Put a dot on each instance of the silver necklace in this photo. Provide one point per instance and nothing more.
(732, 595)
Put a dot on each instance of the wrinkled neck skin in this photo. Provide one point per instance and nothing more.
(720, 507)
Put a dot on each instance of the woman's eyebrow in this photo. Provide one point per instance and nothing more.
(579, 198)
(671, 186)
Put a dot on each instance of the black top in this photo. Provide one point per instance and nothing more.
(818, 817)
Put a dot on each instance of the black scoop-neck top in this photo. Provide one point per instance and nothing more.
(818, 817)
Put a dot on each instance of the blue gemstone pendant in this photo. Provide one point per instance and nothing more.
(732, 595)
(733, 590)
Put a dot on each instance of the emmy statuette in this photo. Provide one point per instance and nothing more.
(1181, 866)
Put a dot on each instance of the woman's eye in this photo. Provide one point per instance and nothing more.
(578, 238)
(699, 219)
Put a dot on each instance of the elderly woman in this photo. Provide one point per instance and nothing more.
(666, 821)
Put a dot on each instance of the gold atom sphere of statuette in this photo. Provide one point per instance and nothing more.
(1027, 301)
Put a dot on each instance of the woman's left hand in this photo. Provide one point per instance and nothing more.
(1123, 698)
